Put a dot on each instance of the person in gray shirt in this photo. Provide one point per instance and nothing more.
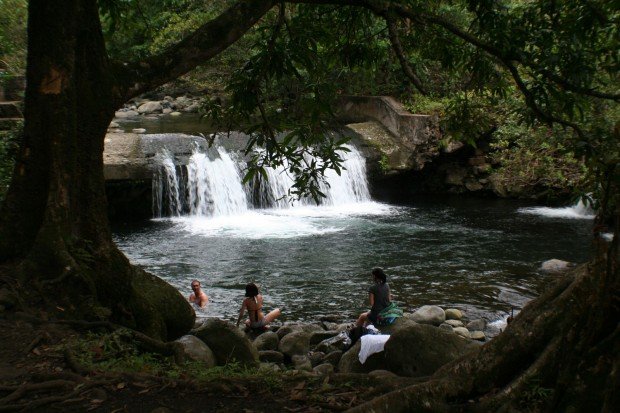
(379, 296)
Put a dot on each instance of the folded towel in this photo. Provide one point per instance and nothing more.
(371, 344)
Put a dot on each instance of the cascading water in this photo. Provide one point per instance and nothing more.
(213, 186)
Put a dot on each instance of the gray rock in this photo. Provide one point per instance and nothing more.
(301, 363)
(419, 350)
(462, 331)
(269, 367)
(556, 266)
(193, 108)
(350, 363)
(288, 329)
(271, 356)
(333, 358)
(446, 327)
(267, 341)
(478, 335)
(454, 323)
(139, 130)
(319, 336)
(429, 314)
(476, 325)
(453, 314)
(113, 125)
(175, 113)
(149, 107)
(323, 369)
(339, 342)
(195, 349)
(316, 357)
(227, 342)
(166, 111)
(123, 114)
(296, 343)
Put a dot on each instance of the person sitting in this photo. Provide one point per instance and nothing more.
(198, 296)
(379, 296)
(254, 303)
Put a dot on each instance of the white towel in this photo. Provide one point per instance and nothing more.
(371, 344)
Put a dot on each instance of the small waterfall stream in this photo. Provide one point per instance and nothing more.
(211, 185)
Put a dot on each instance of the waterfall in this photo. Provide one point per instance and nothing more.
(577, 211)
(212, 185)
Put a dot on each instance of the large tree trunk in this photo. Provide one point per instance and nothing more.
(54, 232)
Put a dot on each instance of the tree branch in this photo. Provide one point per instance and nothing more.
(400, 53)
(206, 42)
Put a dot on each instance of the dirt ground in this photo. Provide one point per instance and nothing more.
(36, 375)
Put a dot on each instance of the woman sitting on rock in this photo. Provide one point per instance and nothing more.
(379, 296)
(254, 303)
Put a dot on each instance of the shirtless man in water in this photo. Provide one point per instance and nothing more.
(198, 297)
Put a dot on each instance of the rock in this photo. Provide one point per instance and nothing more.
(478, 335)
(267, 341)
(323, 369)
(227, 342)
(193, 108)
(333, 358)
(453, 314)
(269, 367)
(455, 176)
(333, 318)
(339, 342)
(301, 363)
(149, 107)
(555, 266)
(195, 349)
(296, 343)
(462, 331)
(350, 362)
(113, 125)
(329, 326)
(381, 373)
(446, 327)
(271, 356)
(123, 114)
(175, 113)
(419, 350)
(454, 323)
(319, 336)
(429, 314)
(473, 186)
(166, 111)
(139, 130)
(316, 357)
(287, 329)
(476, 325)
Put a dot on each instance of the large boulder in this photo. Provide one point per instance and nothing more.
(296, 343)
(267, 341)
(195, 349)
(227, 342)
(150, 107)
(429, 314)
(556, 266)
(419, 350)
(350, 362)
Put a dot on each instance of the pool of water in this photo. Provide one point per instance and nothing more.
(481, 256)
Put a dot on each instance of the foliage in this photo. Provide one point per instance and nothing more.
(13, 38)
(9, 142)
(118, 352)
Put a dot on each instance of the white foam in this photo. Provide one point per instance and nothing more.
(577, 211)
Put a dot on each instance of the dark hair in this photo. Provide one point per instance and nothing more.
(251, 290)
(379, 275)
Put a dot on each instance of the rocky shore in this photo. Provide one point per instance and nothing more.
(418, 344)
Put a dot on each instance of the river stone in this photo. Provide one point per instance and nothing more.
(419, 350)
(454, 323)
(302, 363)
(267, 341)
(556, 266)
(122, 114)
(227, 342)
(296, 343)
(319, 336)
(429, 314)
(478, 335)
(453, 314)
(323, 369)
(175, 113)
(113, 125)
(149, 107)
(447, 327)
(463, 332)
(333, 357)
(476, 325)
(288, 329)
(195, 349)
(316, 357)
(271, 356)
(350, 362)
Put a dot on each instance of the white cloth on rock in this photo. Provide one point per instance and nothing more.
(371, 344)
